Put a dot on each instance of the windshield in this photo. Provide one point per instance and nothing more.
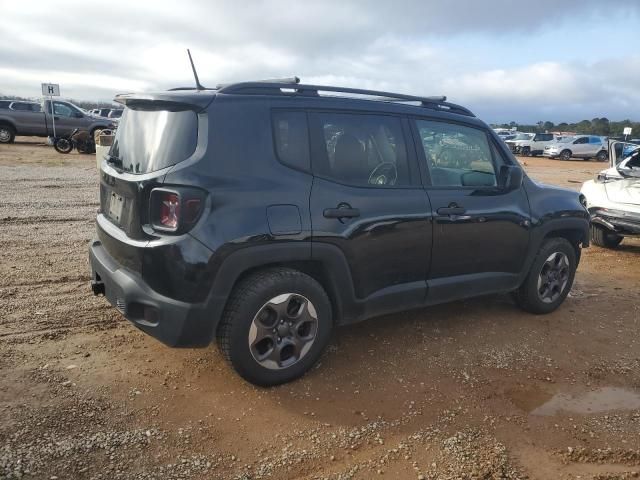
(150, 139)
(523, 136)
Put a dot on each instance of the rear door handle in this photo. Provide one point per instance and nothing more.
(341, 212)
(452, 210)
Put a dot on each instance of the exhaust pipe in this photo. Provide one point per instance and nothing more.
(97, 287)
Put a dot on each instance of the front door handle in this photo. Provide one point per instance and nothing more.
(343, 211)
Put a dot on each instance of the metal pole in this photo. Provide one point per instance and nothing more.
(53, 116)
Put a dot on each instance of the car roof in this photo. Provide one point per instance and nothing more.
(291, 93)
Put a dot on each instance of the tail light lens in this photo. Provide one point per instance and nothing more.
(175, 210)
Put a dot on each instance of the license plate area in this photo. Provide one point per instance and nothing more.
(116, 206)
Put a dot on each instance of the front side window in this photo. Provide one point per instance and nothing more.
(457, 156)
(291, 136)
(362, 150)
(581, 140)
(62, 110)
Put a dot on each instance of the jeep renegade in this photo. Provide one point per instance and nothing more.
(264, 214)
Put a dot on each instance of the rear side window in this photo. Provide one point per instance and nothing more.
(595, 140)
(457, 156)
(4, 103)
(581, 140)
(361, 150)
(148, 139)
(291, 137)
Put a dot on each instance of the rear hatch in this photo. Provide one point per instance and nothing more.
(154, 135)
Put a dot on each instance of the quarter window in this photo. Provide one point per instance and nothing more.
(362, 149)
(457, 156)
(291, 136)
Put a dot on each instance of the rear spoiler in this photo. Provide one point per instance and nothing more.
(170, 100)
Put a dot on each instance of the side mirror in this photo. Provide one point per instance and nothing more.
(511, 177)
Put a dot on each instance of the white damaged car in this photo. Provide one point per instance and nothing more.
(613, 198)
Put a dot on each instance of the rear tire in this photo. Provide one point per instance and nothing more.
(550, 278)
(565, 155)
(275, 326)
(602, 156)
(7, 134)
(605, 238)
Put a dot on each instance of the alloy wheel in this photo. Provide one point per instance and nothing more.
(283, 331)
(5, 135)
(553, 277)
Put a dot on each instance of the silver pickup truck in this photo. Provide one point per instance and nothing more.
(36, 119)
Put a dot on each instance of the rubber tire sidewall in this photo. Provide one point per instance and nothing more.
(562, 155)
(527, 295)
(12, 134)
(258, 292)
(604, 238)
(602, 158)
(60, 150)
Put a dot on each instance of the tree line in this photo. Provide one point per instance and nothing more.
(597, 126)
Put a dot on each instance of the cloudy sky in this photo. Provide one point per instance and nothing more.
(506, 60)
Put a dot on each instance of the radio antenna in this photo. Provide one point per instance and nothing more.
(195, 74)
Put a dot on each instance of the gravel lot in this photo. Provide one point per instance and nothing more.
(472, 389)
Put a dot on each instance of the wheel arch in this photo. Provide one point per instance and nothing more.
(327, 266)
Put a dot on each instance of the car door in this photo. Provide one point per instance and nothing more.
(367, 200)
(481, 230)
(580, 147)
(67, 118)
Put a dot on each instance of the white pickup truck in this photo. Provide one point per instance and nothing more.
(36, 119)
(530, 144)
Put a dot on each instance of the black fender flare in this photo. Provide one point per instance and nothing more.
(335, 274)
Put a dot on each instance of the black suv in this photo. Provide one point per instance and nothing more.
(266, 213)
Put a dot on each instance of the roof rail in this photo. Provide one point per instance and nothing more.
(292, 87)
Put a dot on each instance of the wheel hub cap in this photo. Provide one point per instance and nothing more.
(283, 331)
(553, 277)
(4, 135)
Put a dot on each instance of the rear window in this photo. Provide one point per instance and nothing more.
(150, 139)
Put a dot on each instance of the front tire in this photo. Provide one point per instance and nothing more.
(526, 151)
(550, 278)
(565, 155)
(63, 145)
(604, 238)
(275, 326)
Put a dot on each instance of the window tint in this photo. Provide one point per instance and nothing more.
(149, 139)
(21, 106)
(4, 103)
(581, 140)
(596, 140)
(291, 136)
(457, 156)
(362, 150)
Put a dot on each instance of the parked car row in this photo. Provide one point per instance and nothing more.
(107, 112)
(565, 148)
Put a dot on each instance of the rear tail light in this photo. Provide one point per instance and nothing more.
(175, 210)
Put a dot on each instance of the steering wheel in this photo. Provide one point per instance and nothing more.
(384, 174)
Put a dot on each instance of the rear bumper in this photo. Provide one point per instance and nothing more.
(620, 222)
(174, 323)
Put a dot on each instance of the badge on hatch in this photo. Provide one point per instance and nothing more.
(115, 206)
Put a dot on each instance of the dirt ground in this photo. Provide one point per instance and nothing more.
(473, 389)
